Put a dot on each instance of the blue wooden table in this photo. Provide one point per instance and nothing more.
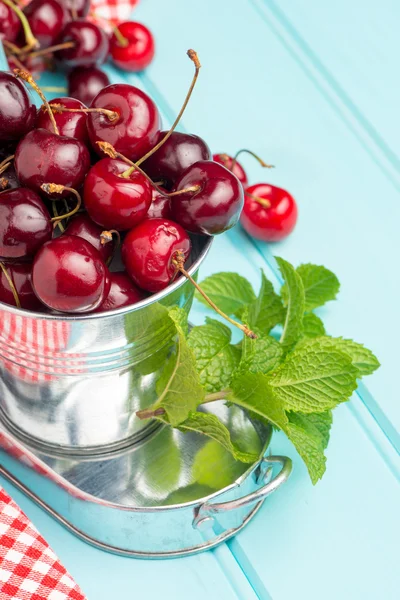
(312, 87)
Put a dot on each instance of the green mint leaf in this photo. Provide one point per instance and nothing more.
(320, 285)
(314, 378)
(312, 326)
(216, 358)
(252, 392)
(211, 426)
(362, 358)
(310, 450)
(293, 324)
(267, 310)
(229, 291)
(318, 423)
(180, 318)
(260, 355)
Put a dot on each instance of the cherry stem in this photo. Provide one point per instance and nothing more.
(6, 163)
(54, 89)
(31, 41)
(254, 155)
(178, 263)
(106, 237)
(11, 284)
(149, 413)
(55, 212)
(59, 108)
(263, 201)
(54, 188)
(121, 39)
(194, 58)
(29, 79)
(4, 183)
(51, 49)
(188, 190)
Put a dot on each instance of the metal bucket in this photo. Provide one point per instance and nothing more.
(72, 385)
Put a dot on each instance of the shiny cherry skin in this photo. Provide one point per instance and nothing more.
(227, 161)
(116, 202)
(123, 292)
(47, 19)
(91, 44)
(10, 25)
(44, 157)
(138, 125)
(160, 207)
(139, 51)
(82, 226)
(148, 251)
(216, 207)
(24, 223)
(17, 110)
(179, 152)
(269, 224)
(76, 8)
(69, 275)
(20, 274)
(85, 84)
(70, 124)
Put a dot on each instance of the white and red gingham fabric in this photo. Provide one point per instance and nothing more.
(29, 569)
(108, 13)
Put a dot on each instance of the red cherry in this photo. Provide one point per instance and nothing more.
(70, 124)
(24, 223)
(217, 204)
(227, 161)
(137, 127)
(17, 110)
(76, 8)
(113, 201)
(160, 207)
(85, 84)
(148, 251)
(20, 275)
(271, 220)
(132, 46)
(69, 275)
(82, 226)
(10, 25)
(91, 44)
(47, 19)
(123, 292)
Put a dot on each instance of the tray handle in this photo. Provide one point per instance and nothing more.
(265, 468)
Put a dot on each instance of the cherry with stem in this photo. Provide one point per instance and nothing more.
(111, 114)
(30, 40)
(54, 188)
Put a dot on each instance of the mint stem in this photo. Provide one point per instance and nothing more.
(149, 413)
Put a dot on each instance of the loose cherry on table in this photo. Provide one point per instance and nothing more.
(10, 25)
(123, 292)
(70, 124)
(47, 19)
(82, 226)
(69, 275)
(17, 110)
(269, 213)
(228, 161)
(88, 45)
(16, 286)
(132, 46)
(85, 84)
(77, 8)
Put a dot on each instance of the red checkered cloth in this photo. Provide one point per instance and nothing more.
(109, 13)
(29, 569)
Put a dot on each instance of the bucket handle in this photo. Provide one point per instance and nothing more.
(264, 471)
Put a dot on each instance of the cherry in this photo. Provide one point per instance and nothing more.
(132, 46)
(137, 127)
(178, 153)
(77, 8)
(216, 206)
(47, 19)
(24, 223)
(69, 275)
(82, 226)
(227, 161)
(148, 251)
(114, 201)
(160, 207)
(269, 213)
(70, 124)
(123, 292)
(16, 286)
(89, 44)
(10, 25)
(85, 84)
(17, 111)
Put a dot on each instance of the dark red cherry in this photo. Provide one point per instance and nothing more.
(70, 276)
(47, 19)
(44, 157)
(24, 223)
(138, 52)
(216, 206)
(160, 207)
(138, 125)
(227, 161)
(269, 213)
(148, 251)
(82, 226)
(9, 179)
(91, 44)
(20, 275)
(85, 84)
(123, 292)
(17, 110)
(116, 202)
(180, 151)
(10, 25)
(70, 124)
(77, 8)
